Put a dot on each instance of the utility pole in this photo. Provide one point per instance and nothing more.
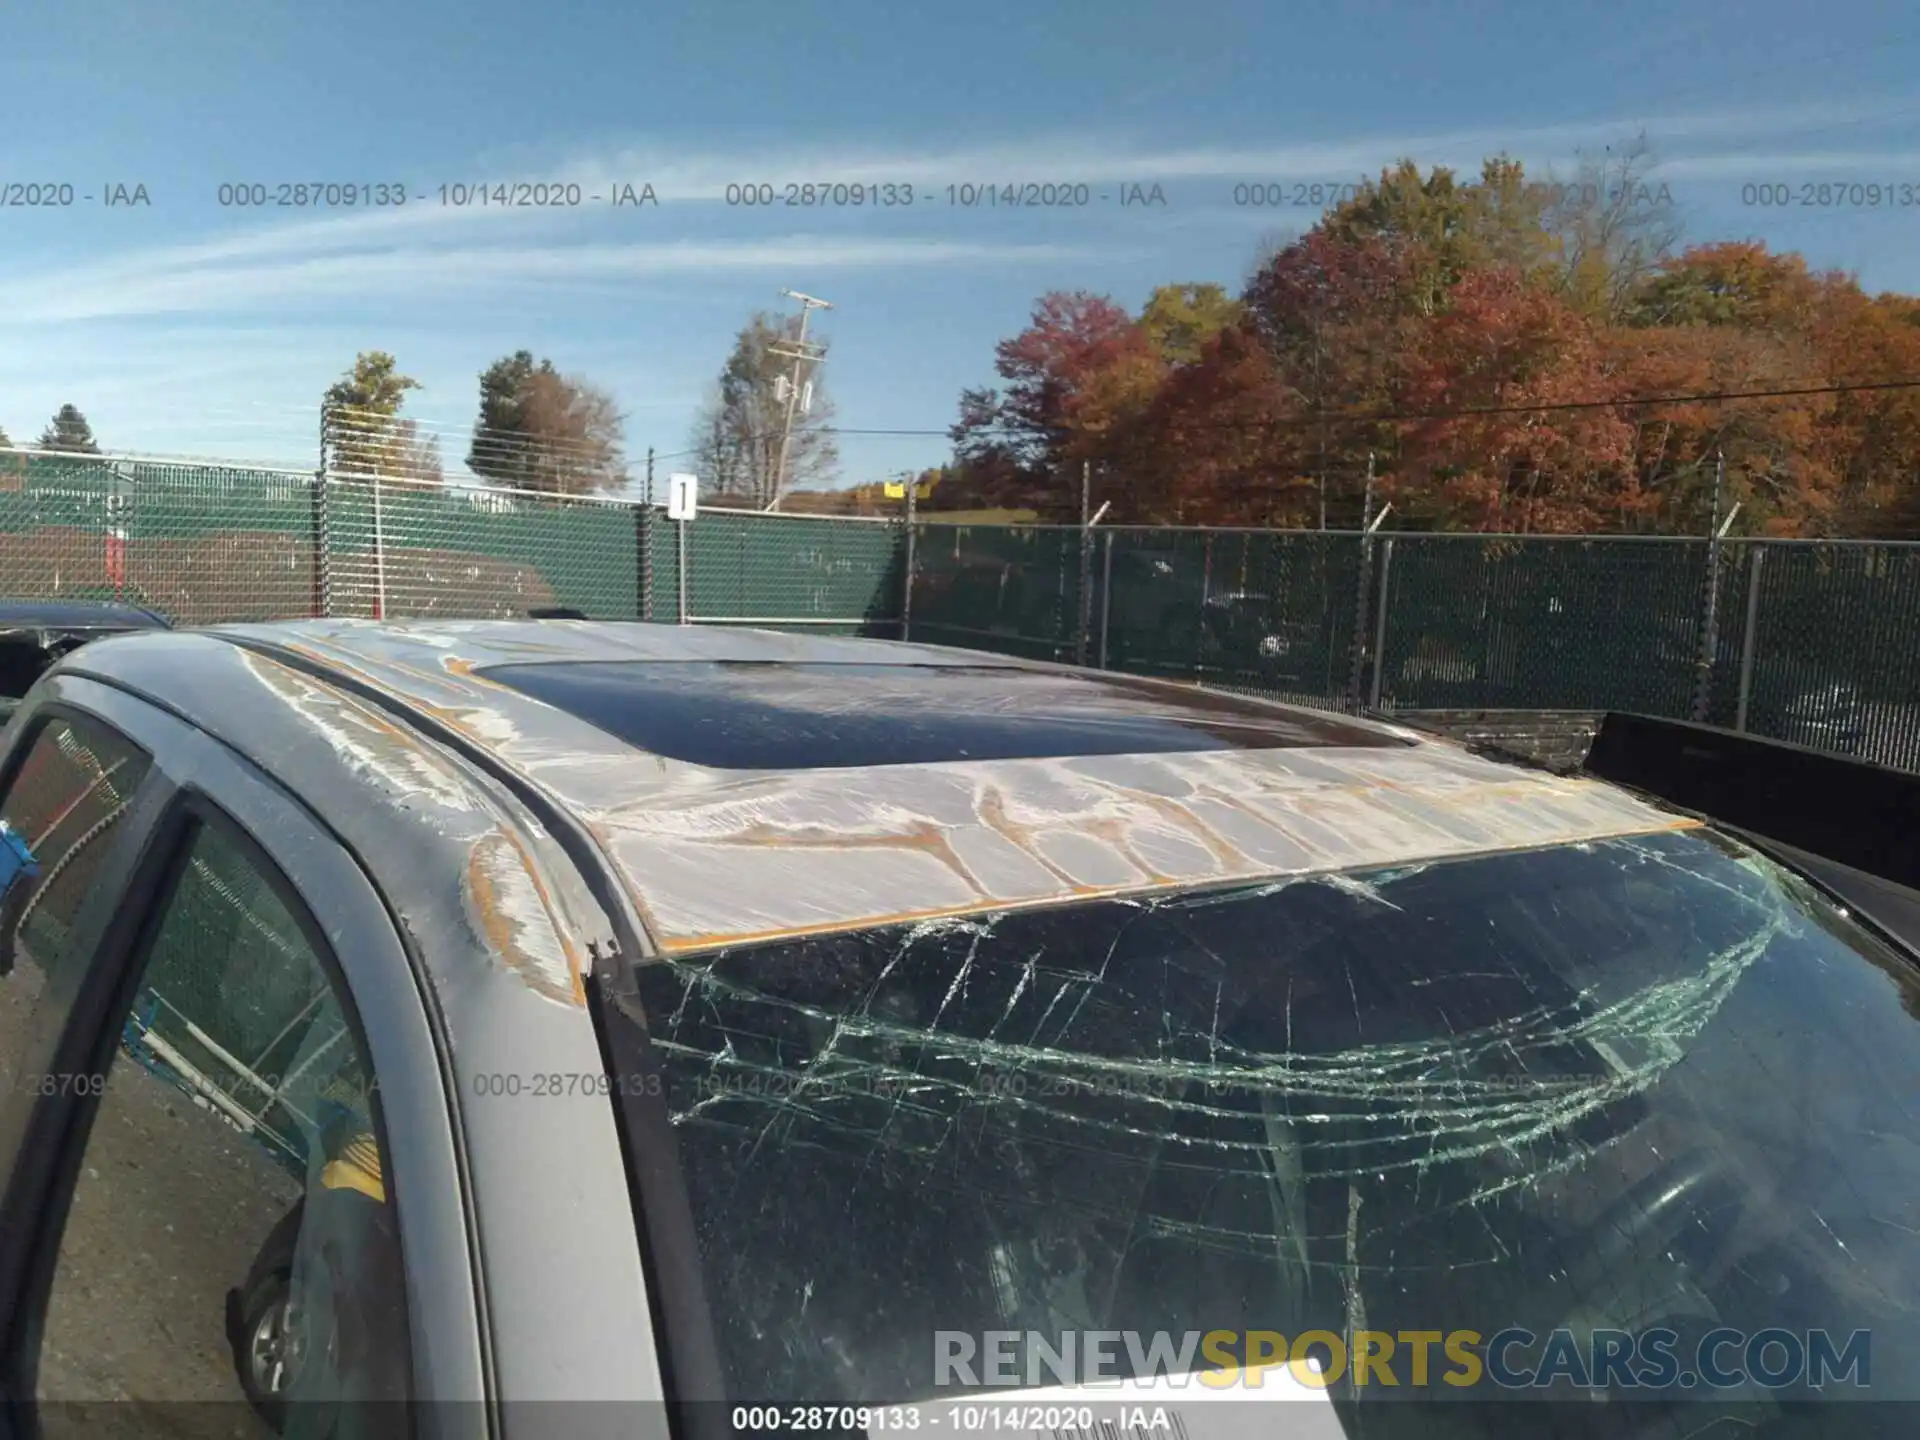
(801, 353)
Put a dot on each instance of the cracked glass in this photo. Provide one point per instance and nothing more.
(1646, 1081)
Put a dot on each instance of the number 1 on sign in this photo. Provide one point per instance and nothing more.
(681, 493)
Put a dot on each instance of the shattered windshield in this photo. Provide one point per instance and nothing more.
(1645, 1081)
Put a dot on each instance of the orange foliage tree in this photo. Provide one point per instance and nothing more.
(1508, 364)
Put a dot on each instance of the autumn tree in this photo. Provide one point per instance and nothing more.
(541, 430)
(1072, 381)
(69, 431)
(1515, 353)
(1732, 283)
(1218, 447)
(1179, 320)
(1337, 316)
(1445, 228)
(1485, 458)
(737, 436)
(988, 479)
(1724, 320)
(1877, 431)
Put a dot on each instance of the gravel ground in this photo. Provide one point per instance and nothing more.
(171, 1207)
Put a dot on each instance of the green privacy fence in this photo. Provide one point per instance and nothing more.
(1011, 589)
(1807, 641)
(414, 552)
(204, 544)
(1816, 642)
(785, 570)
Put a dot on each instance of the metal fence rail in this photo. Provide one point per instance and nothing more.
(1809, 641)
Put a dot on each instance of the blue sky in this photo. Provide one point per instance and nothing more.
(186, 327)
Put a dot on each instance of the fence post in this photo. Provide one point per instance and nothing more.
(1363, 589)
(1748, 640)
(322, 560)
(906, 579)
(322, 547)
(680, 567)
(1380, 630)
(1083, 622)
(643, 542)
(379, 557)
(1206, 594)
(1106, 592)
(1710, 626)
(642, 564)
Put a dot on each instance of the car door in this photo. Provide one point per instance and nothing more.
(232, 1197)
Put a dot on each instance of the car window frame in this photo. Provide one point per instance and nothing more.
(195, 780)
(29, 1134)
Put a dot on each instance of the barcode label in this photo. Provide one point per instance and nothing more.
(1174, 1429)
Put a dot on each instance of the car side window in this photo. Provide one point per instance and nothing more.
(232, 1237)
(65, 804)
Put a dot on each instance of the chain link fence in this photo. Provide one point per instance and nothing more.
(1799, 640)
(1807, 641)
(1473, 622)
(842, 576)
(200, 543)
(395, 550)
(1835, 653)
(1014, 590)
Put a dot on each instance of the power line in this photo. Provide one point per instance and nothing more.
(508, 446)
(1626, 402)
(1623, 403)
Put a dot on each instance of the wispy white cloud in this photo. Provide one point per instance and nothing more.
(1900, 166)
(1112, 159)
(424, 247)
(182, 337)
(122, 287)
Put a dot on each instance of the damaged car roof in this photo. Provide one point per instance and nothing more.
(711, 766)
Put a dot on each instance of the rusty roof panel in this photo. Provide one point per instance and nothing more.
(715, 856)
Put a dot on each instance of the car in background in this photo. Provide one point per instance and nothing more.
(1164, 618)
(36, 633)
(1827, 715)
(676, 1022)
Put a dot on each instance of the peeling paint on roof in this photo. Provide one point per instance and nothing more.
(508, 903)
(370, 744)
(522, 897)
(718, 857)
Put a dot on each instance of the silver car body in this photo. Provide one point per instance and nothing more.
(405, 799)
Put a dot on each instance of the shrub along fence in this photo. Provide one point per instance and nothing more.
(1816, 642)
